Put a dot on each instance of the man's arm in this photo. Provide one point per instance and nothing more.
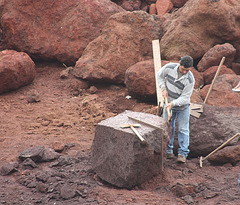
(185, 96)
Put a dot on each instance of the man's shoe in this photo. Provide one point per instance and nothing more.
(181, 159)
(170, 156)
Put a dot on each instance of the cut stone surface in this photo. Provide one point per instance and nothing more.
(118, 156)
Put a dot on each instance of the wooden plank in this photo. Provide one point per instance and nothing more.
(194, 113)
(196, 107)
(157, 67)
(143, 122)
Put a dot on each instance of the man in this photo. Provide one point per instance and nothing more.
(177, 83)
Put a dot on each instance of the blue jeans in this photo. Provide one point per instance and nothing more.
(183, 130)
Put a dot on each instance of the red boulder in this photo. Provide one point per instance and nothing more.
(16, 70)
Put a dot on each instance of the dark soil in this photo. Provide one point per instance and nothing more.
(62, 117)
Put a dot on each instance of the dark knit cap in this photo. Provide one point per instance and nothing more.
(186, 61)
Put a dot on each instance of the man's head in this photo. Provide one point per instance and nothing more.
(186, 63)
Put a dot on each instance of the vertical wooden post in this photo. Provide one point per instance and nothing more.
(157, 66)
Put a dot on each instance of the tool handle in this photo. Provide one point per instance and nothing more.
(215, 77)
(168, 110)
(159, 109)
(221, 146)
(137, 133)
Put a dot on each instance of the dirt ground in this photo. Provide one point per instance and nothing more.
(62, 117)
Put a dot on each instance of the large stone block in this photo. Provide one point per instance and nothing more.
(118, 155)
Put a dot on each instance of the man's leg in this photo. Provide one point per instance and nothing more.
(172, 124)
(183, 131)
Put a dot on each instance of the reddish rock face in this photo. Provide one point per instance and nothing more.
(196, 97)
(179, 3)
(236, 68)
(125, 40)
(209, 74)
(214, 55)
(152, 9)
(199, 82)
(222, 94)
(140, 80)
(163, 6)
(131, 5)
(16, 70)
(151, 1)
(198, 26)
(55, 29)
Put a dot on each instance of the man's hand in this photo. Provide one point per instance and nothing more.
(169, 105)
(165, 93)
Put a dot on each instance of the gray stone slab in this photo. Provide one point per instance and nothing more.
(119, 157)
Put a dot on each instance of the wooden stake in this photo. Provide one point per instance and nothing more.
(215, 77)
(157, 67)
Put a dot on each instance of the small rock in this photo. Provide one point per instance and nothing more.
(67, 192)
(181, 190)
(33, 98)
(45, 123)
(65, 73)
(93, 90)
(35, 154)
(43, 177)
(32, 184)
(42, 187)
(29, 163)
(49, 155)
(209, 194)
(76, 92)
(83, 193)
(58, 146)
(73, 153)
(8, 168)
(188, 199)
(70, 145)
(64, 160)
(115, 87)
